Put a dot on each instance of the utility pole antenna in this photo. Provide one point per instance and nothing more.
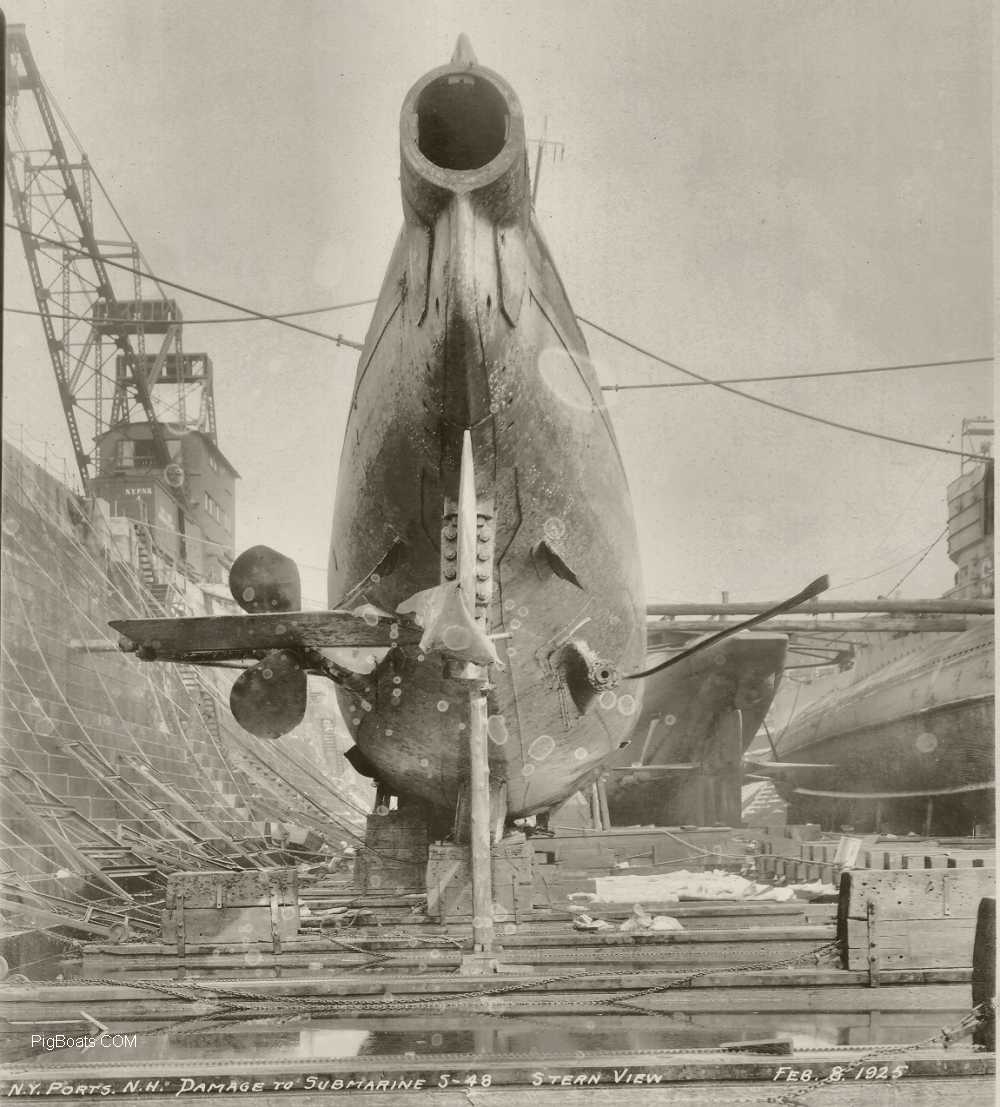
(558, 151)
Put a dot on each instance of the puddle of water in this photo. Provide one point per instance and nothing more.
(283, 1032)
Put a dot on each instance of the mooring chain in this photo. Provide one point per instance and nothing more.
(530, 982)
(790, 1098)
(968, 1022)
(684, 981)
(753, 966)
(178, 990)
(374, 956)
(319, 1004)
(417, 939)
(457, 997)
(194, 991)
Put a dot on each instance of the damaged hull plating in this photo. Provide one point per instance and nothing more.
(473, 330)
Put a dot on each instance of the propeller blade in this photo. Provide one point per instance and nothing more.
(269, 700)
(820, 584)
(263, 581)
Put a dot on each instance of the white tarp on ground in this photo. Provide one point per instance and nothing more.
(670, 887)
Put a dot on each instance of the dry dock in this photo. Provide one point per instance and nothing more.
(744, 1002)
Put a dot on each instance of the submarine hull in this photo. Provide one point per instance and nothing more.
(473, 331)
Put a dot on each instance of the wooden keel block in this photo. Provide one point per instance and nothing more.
(449, 882)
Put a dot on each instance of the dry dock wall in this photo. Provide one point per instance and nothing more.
(73, 716)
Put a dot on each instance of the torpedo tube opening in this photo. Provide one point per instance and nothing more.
(462, 122)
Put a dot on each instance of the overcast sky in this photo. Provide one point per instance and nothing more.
(748, 188)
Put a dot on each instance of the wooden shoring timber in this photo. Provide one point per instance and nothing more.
(260, 956)
(16, 889)
(96, 924)
(51, 833)
(585, 940)
(569, 1014)
(818, 859)
(263, 766)
(661, 635)
(910, 918)
(196, 815)
(314, 791)
(90, 832)
(855, 1005)
(721, 916)
(934, 859)
(831, 607)
(140, 808)
(914, 1020)
(829, 982)
(169, 853)
(772, 939)
(715, 955)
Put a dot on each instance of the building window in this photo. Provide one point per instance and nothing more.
(144, 454)
(136, 453)
(216, 510)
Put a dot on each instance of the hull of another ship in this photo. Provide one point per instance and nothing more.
(922, 724)
(704, 712)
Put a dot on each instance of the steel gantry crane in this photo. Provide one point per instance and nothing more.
(117, 359)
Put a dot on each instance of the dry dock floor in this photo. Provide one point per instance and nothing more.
(746, 1004)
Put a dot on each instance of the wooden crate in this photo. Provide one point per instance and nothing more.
(910, 919)
(218, 906)
(449, 881)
